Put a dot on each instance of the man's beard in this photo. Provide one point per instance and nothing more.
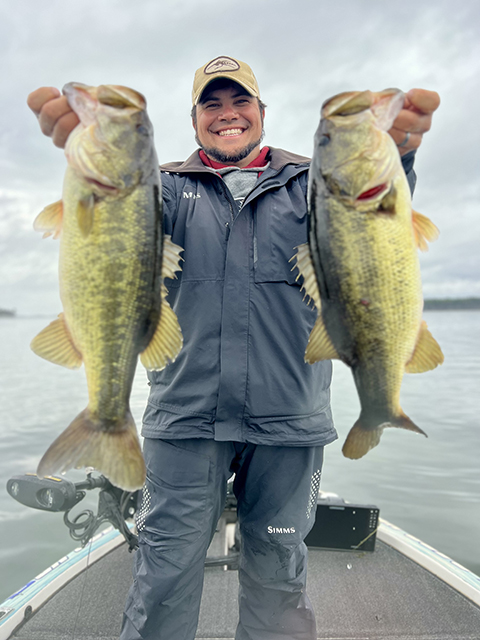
(226, 158)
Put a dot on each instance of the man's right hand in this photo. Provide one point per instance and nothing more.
(54, 114)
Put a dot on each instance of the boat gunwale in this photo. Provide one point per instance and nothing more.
(24, 603)
(435, 562)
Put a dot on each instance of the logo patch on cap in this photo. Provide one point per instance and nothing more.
(221, 63)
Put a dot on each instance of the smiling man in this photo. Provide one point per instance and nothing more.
(229, 123)
(239, 398)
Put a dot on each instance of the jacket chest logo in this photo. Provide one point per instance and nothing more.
(190, 194)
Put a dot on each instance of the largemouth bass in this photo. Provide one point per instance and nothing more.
(360, 265)
(113, 259)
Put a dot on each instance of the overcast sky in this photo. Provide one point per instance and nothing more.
(302, 52)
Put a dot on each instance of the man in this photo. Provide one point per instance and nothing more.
(239, 398)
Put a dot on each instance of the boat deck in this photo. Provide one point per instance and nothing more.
(356, 595)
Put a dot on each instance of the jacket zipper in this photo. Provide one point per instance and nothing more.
(228, 225)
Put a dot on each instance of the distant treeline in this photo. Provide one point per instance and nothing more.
(452, 303)
(440, 304)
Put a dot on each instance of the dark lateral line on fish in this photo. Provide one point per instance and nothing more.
(371, 193)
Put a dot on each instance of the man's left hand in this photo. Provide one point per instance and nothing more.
(414, 119)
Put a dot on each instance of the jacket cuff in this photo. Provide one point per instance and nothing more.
(407, 162)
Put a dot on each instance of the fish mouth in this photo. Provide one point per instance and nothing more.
(347, 103)
(384, 105)
(71, 87)
(82, 100)
(387, 104)
(85, 100)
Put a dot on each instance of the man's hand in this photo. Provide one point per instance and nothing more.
(54, 114)
(415, 119)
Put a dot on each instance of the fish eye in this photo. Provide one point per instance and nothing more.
(142, 129)
(325, 139)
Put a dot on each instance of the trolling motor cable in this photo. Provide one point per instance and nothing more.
(110, 509)
(112, 506)
(55, 494)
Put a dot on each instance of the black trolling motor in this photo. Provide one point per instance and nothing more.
(55, 494)
(58, 494)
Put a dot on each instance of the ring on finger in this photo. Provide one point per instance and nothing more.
(405, 141)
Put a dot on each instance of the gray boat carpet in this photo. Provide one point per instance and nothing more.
(357, 596)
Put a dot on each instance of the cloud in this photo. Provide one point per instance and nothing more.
(302, 53)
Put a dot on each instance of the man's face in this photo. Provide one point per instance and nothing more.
(229, 125)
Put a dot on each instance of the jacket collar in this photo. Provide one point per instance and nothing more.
(279, 158)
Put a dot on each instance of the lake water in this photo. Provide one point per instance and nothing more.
(428, 486)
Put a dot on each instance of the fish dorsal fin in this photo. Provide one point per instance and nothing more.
(54, 343)
(305, 269)
(167, 340)
(427, 354)
(423, 230)
(319, 346)
(85, 214)
(171, 258)
(49, 220)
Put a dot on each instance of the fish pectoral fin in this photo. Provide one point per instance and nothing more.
(423, 230)
(49, 220)
(305, 269)
(427, 353)
(319, 346)
(167, 340)
(54, 343)
(171, 258)
(85, 214)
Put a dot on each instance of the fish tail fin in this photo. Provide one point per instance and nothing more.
(111, 448)
(402, 421)
(361, 439)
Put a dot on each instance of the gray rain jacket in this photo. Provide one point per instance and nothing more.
(241, 375)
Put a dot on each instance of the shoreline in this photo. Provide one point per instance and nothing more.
(447, 304)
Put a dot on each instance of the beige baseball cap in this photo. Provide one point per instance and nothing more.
(224, 67)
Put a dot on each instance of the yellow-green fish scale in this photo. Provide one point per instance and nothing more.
(109, 290)
(373, 307)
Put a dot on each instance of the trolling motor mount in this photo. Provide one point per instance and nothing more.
(58, 494)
